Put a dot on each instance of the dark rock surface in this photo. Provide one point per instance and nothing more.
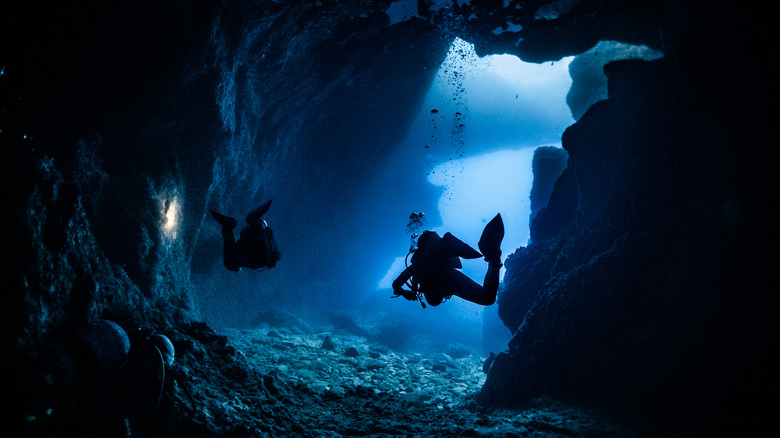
(589, 84)
(547, 166)
(655, 297)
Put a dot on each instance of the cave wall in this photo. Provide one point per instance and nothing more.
(646, 286)
(93, 134)
(139, 106)
(314, 98)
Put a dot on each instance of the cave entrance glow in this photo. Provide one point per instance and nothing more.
(474, 140)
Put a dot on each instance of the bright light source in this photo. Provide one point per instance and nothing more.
(171, 218)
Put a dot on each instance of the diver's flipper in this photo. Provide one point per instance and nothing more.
(256, 214)
(227, 222)
(452, 246)
(490, 242)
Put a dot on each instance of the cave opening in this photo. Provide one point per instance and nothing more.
(468, 156)
(474, 139)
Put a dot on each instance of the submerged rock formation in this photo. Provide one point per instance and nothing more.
(547, 166)
(648, 285)
(655, 295)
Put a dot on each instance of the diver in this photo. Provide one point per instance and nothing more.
(255, 248)
(435, 268)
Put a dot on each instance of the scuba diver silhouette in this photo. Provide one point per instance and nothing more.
(435, 269)
(255, 248)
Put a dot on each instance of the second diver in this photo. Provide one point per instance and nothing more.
(435, 268)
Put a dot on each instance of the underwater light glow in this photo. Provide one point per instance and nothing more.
(507, 108)
(171, 217)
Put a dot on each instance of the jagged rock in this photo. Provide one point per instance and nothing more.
(377, 351)
(488, 362)
(439, 367)
(589, 84)
(373, 364)
(276, 317)
(457, 351)
(268, 384)
(328, 344)
(547, 166)
(351, 352)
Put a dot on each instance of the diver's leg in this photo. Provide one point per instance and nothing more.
(462, 286)
(229, 255)
(226, 221)
(490, 283)
(254, 216)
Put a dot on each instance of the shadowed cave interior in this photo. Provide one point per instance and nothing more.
(625, 145)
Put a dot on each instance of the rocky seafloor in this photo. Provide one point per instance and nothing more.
(277, 381)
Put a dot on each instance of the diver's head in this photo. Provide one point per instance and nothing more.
(427, 239)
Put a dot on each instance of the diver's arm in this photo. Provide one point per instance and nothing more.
(398, 283)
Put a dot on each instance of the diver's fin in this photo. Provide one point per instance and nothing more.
(490, 242)
(256, 214)
(452, 246)
(226, 221)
